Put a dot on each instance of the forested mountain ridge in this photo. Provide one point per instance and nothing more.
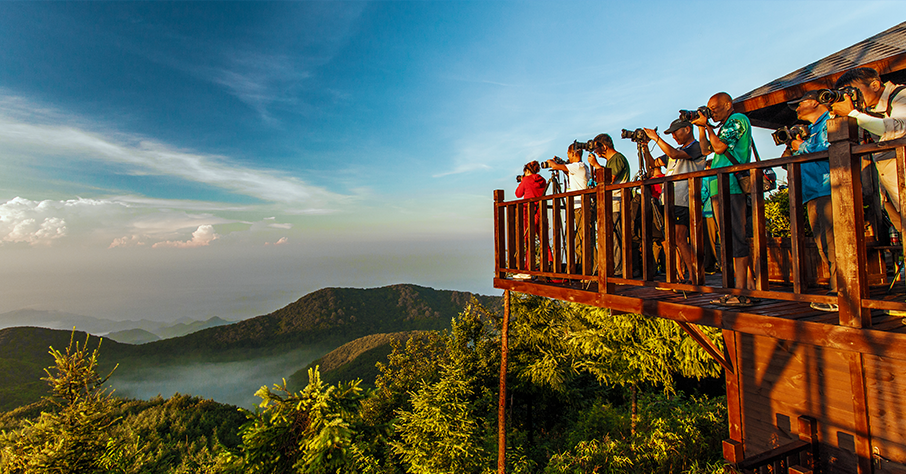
(312, 326)
(335, 315)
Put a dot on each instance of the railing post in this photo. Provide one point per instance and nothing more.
(797, 227)
(759, 240)
(605, 230)
(588, 253)
(499, 234)
(723, 229)
(670, 243)
(647, 250)
(849, 228)
(696, 231)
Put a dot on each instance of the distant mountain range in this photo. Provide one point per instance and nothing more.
(230, 362)
(130, 332)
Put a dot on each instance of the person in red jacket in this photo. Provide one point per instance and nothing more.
(531, 186)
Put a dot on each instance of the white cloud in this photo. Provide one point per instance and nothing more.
(111, 222)
(203, 236)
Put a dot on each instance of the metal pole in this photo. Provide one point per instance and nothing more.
(501, 409)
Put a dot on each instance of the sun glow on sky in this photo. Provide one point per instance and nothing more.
(160, 160)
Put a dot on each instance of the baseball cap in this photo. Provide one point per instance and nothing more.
(812, 94)
(677, 124)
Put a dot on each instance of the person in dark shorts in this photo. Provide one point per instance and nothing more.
(687, 157)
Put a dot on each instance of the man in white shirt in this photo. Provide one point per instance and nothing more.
(884, 117)
(576, 180)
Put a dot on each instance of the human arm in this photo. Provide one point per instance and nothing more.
(669, 150)
(556, 166)
(593, 161)
(888, 128)
(817, 141)
(707, 134)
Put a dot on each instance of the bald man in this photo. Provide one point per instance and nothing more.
(732, 145)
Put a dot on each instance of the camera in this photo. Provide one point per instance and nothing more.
(587, 146)
(831, 96)
(785, 135)
(556, 159)
(638, 135)
(519, 178)
(690, 115)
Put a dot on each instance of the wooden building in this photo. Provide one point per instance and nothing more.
(807, 391)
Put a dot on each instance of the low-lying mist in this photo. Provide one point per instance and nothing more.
(227, 382)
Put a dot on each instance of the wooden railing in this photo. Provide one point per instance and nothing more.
(524, 243)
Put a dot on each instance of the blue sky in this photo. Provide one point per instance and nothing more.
(162, 160)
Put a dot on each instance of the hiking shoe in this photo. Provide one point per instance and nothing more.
(734, 301)
(828, 307)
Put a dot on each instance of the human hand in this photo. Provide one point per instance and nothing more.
(795, 144)
(844, 107)
(700, 120)
(652, 134)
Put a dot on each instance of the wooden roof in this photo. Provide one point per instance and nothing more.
(885, 52)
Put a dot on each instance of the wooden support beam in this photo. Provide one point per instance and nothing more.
(707, 344)
(501, 402)
(734, 392)
(860, 412)
(846, 198)
(844, 338)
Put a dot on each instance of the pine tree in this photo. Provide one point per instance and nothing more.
(74, 438)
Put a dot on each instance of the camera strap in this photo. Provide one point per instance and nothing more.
(887, 112)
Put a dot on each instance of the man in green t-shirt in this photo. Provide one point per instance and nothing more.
(619, 172)
(732, 145)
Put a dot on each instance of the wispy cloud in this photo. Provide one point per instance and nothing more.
(140, 155)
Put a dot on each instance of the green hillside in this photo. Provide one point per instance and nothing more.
(353, 360)
(331, 316)
(133, 336)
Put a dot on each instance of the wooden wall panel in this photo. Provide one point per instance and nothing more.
(782, 380)
(885, 388)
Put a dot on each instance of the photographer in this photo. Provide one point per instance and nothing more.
(687, 158)
(732, 145)
(619, 172)
(815, 176)
(531, 186)
(576, 180)
(884, 116)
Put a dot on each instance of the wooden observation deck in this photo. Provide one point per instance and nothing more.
(807, 391)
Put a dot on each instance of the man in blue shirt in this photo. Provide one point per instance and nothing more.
(815, 182)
